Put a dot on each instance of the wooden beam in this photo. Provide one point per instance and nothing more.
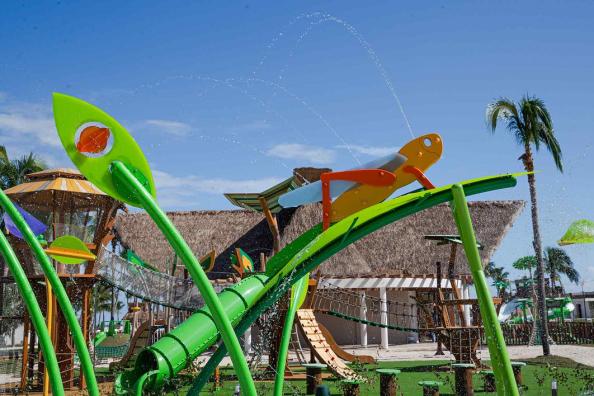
(272, 225)
(104, 226)
(25, 351)
(455, 290)
(86, 308)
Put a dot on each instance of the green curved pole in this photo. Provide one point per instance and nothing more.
(122, 175)
(59, 291)
(297, 296)
(20, 278)
(504, 376)
(141, 381)
(476, 186)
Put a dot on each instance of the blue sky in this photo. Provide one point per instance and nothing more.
(231, 98)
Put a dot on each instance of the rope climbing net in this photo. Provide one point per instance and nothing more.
(363, 308)
(146, 284)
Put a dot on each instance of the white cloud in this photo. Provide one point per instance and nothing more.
(372, 151)
(174, 128)
(28, 122)
(29, 127)
(183, 191)
(301, 152)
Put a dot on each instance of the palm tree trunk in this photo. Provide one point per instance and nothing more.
(112, 304)
(540, 281)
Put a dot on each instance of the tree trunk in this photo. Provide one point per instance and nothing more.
(113, 304)
(540, 281)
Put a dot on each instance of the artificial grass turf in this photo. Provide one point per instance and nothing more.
(571, 379)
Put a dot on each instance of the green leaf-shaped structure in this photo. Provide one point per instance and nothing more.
(70, 115)
(580, 231)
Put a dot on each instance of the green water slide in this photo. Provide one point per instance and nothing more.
(245, 302)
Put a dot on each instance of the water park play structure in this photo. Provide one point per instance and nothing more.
(355, 203)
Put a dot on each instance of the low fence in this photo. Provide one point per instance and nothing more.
(561, 332)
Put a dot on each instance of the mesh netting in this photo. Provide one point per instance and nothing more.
(149, 285)
(352, 305)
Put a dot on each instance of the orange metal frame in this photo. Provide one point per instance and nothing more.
(373, 177)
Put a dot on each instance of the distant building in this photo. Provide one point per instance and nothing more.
(584, 305)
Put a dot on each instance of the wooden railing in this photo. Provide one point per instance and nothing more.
(561, 333)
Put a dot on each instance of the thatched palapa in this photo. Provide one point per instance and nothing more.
(395, 250)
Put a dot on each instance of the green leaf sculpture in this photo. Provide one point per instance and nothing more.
(93, 140)
(580, 231)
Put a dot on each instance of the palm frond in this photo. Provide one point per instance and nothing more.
(525, 263)
(502, 109)
(557, 261)
(539, 127)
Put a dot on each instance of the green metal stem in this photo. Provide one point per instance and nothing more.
(20, 278)
(59, 291)
(279, 261)
(181, 248)
(142, 380)
(283, 351)
(504, 376)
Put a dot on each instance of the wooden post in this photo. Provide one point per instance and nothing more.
(463, 379)
(440, 308)
(388, 383)
(456, 291)
(351, 388)
(262, 262)
(86, 307)
(517, 368)
(50, 328)
(26, 330)
(313, 373)
(489, 377)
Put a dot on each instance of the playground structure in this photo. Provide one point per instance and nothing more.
(70, 205)
(106, 154)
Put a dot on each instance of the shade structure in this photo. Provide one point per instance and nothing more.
(251, 201)
(69, 204)
(57, 187)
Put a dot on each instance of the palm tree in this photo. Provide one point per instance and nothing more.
(526, 263)
(13, 172)
(102, 301)
(530, 123)
(559, 263)
(500, 277)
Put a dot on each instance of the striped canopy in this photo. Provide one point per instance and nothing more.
(59, 184)
(55, 188)
(251, 201)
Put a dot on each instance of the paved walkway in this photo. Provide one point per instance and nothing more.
(426, 351)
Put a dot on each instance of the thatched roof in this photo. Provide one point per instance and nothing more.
(204, 231)
(399, 248)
